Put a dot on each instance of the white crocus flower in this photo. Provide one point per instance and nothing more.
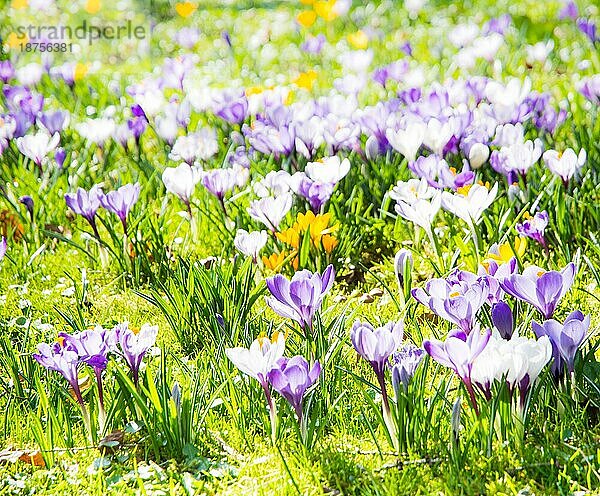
(478, 155)
(260, 358)
(275, 183)
(438, 135)
(37, 146)
(271, 210)
(97, 130)
(469, 202)
(181, 181)
(509, 134)
(407, 141)
(250, 243)
(539, 52)
(565, 164)
(519, 157)
(412, 190)
(328, 170)
(201, 145)
(422, 212)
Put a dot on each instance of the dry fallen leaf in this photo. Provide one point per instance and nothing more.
(111, 442)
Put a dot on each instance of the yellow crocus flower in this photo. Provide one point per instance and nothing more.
(358, 40)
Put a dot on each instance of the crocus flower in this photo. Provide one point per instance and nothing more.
(469, 202)
(60, 155)
(588, 27)
(502, 318)
(271, 210)
(328, 170)
(54, 122)
(457, 298)
(257, 362)
(518, 361)
(7, 71)
(403, 265)
(181, 181)
(219, 182)
(405, 362)
(291, 378)
(199, 145)
(134, 345)
(376, 345)
(97, 130)
(534, 227)
(250, 243)
(62, 359)
(260, 358)
(93, 346)
(301, 297)
(3, 248)
(569, 10)
(566, 339)
(28, 202)
(539, 288)
(314, 44)
(121, 201)
(458, 352)
(565, 164)
(86, 204)
(422, 212)
(407, 141)
(37, 146)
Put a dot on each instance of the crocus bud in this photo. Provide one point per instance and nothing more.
(503, 320)
(403, 265)
(59, 156)
(478, 155)
(372, 148)
(456, 422)
(28, 202)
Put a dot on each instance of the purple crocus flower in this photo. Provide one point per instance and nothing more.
(503, 320)
(457, 298)
(569, 11)
(540, 288)
(93, 346)
(534, 227)
(565, 338)
(291, 378)
(376, 345)
(497, 24)
(121, 201)
(316, 193)
(138, 124)
(301, 297)
(219, 182)
(232, 107)
(54, 122)
(62, 359)
(28, 202)
(86, 204)
(3, 248)
(187, 37)
(134, 345)
(406, 48)
(590, 89)
(7, 71)
(314, 44)
(59, 155)
(405, 362)
(588, 27)
(458, 352)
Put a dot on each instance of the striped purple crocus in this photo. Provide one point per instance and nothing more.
(540, 288)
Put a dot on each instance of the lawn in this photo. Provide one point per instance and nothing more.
(299, 247)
